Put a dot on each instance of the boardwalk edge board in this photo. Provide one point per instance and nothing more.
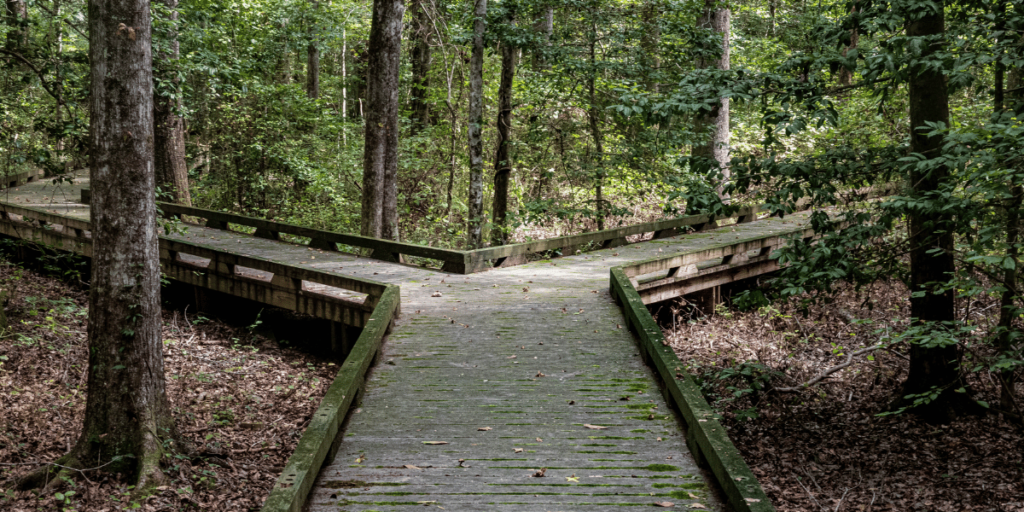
(706, 437)
(318, 442)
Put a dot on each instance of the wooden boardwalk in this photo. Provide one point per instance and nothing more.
(488, 379)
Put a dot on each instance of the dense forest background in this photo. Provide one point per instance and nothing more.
(524, 119)
(606, 102)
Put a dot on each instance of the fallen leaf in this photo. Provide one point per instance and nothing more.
(692, 496)
(410, 466)
(540, 473)
(517, 450)
(752, 500)
(435, 442)
(572, 478)
(664, 504)
(436, 294)
(572, 402)
(539, 440)
(539, 374)
(484, 429)
(697, 505)
(594, 427)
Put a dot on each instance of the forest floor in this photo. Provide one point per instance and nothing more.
(826, 448)
(241, 399)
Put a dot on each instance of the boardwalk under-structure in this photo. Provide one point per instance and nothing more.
(519, 388)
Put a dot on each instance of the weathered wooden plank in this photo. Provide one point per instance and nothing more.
(318, 441)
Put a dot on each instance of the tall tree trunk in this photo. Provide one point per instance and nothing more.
(931, 239)
(717, 119)
(544, 26)
(649, 39)
(285, 61)
(380, 154)
(344, 84)
(502, 159)
(16, 12)
(169, 128)
(476, 121)
(845, 75)
(420, 56)
(313, 57)
(127, 415)
(1007, 304)
(595, 130)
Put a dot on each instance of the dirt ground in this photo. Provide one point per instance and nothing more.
(826, 448)
(242, 400)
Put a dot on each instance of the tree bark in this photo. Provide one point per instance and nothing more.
(169, 128)
(931, 239)
(545, 26)
(16, 12)
(595, 130)
(313, 58)
(649, 40)
(1007, 303)
(127, 414)
(421, 59)
(476, 121)
(502, 159)
(380, 154)
(717, 119)
(845, 75)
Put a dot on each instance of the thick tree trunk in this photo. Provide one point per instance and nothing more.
(595, 132)
(313, 58)
(127, 415)
(931, 241)
(380, 154)
(717, 120)
(420, 56)
(15, 13)
(476, 121)
(502, 159)
(169, 128)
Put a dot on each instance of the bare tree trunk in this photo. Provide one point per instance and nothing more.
(545, 26)
(502, 159)
(344, 84)
(420, 56)
(16, 12)
(649, 39)
(380, 155)
(169, 128)
(595, 131)
(717, 147)
(286, 58)
(313, 58)
(931, 240)
(1007, 304)
(476, 121)
(127, 415)
(845, 75)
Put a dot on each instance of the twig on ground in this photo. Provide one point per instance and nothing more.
(830, 371)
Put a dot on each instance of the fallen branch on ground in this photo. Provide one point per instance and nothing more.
(830, 371)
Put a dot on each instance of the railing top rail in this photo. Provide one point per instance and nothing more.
(355, 284)
(43, 215)
(755, 241)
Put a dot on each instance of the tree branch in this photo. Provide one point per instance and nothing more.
(830, 371)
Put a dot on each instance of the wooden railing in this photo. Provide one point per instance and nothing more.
(269, 282)
(455, 261)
